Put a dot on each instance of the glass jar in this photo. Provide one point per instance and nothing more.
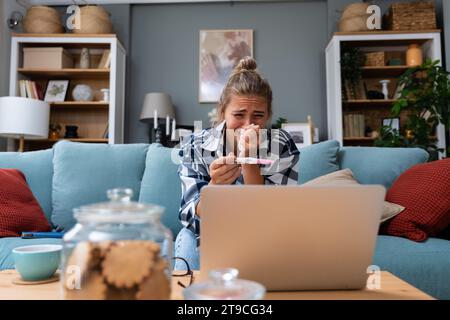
(117, 250)
(223, 284)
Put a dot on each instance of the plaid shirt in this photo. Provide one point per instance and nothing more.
(204, 147)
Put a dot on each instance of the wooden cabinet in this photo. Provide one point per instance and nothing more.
(372, 110)
(97, 121)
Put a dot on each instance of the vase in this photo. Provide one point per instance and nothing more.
(71, 132)
(85, 59)
(385, 90)
(414, 55)
(82, 92)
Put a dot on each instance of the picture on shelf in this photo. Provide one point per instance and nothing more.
(393, 123)
(300, 133)
(56, 90)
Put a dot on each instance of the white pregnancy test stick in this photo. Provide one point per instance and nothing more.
(253, 161)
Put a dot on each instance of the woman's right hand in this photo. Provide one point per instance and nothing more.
(224, 170)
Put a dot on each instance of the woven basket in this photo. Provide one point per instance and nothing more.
(411, 16)
(94, 19)
(42, 19)
(374, 59)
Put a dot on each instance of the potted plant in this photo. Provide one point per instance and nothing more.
(425, 97)
(351, 62)
(54, 131)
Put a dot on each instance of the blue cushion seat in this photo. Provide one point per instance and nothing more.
(424, 265)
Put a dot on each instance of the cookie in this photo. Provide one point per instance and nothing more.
(114, 293)
(128, 263)
(154, 287)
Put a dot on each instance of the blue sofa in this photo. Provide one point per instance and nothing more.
(74, 174)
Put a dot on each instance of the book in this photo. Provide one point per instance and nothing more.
(34, 89)
(23, 89)
(105, 59)
(29, 90)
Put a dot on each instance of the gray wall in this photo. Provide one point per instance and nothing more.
(289, 43)
(6, 7)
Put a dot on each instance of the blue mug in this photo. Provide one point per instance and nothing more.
(37, 262)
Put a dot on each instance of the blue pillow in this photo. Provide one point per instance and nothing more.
(371, 165)
(317, 160)
(83, 173)
(161, 184)
(37, 167)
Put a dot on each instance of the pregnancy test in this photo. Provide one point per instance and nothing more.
(253, 161)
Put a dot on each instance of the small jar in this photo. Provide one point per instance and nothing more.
(118, 250)
(414, 55)
(224, 285)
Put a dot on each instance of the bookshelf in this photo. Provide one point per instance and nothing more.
(98, 121)
(373, 110)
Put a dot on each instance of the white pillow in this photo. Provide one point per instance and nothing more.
(345, 178)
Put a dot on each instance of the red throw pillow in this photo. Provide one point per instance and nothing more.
(424, 191)
(19, 210)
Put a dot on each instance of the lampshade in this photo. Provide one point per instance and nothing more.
(23, 117)
(161, 102)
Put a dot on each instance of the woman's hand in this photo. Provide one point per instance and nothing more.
(249, 141)
(224, 170)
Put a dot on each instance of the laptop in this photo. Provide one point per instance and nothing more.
(291, 237)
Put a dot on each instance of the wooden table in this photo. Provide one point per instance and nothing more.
(392, 288)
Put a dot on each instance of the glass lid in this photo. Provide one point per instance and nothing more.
(224, 285)
(120, 209)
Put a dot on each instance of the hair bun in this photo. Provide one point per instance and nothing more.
(247, 63)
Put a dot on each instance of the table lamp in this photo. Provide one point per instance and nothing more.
(158, 105)
(23, 118)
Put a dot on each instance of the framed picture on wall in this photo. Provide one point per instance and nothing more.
(300, 133)
(219, 52)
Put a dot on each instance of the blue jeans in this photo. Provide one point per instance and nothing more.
(186, 247)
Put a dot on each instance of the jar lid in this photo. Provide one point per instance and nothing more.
(222, 284)
(120, 209)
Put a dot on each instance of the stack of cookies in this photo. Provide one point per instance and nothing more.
(116, 270)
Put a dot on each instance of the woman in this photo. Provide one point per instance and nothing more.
(209, 157)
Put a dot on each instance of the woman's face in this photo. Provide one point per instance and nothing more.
(242, 111)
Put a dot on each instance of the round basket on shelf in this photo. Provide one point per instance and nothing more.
(354, 18)
(94, 19)
(42, 19)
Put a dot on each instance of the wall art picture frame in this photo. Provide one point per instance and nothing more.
(56, 90)
(219, 52)
(393, 123)
(300, 133)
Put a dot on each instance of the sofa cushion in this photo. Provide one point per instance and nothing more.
(37, 167)
(161, 184)
(84, 172)
(424, 190)
(19, 210)
(425, 265)
(7, 244)
(344, 178)
(317, 160)
(372, 165)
